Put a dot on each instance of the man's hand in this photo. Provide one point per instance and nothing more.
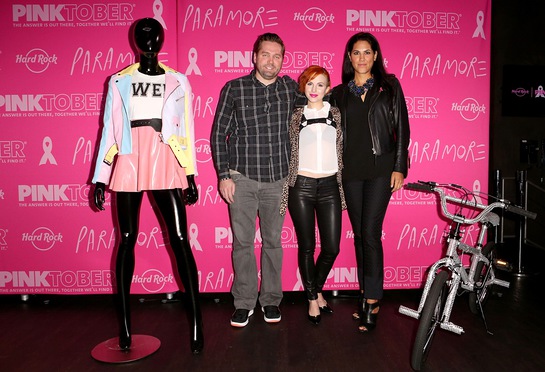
(227, 190)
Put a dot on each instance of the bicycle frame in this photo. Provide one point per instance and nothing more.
(452, 261)
(449, 274)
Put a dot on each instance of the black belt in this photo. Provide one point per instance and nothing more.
(320, 179)
(156, 124)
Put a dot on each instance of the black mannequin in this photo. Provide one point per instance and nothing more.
(149, 37)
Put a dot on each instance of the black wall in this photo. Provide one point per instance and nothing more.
(518, 38)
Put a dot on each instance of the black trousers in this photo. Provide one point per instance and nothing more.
(367, 202)
(172, 210)
(316, 201)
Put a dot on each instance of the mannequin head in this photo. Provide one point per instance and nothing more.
(148, 40)
(148, 37)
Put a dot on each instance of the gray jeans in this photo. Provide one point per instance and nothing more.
(254, 199)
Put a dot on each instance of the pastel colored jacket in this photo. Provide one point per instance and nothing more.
(177, 116)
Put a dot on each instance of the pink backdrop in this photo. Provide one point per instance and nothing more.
(59, 56)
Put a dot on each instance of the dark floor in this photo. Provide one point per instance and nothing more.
(57, 333)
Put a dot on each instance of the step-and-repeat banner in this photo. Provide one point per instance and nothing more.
(57, 57)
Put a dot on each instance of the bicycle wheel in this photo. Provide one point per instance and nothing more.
(429, 319)
(482, 273)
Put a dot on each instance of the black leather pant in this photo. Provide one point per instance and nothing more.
(311, 201)
(172, 209)
(367, 202)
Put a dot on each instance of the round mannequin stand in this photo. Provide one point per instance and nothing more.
(110, 352)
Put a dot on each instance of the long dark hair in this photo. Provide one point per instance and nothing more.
(378, 70)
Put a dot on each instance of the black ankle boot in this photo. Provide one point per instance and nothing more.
(368, 321)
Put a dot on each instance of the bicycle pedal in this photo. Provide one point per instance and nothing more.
(449, 326)
(502, 265)
(409, 312)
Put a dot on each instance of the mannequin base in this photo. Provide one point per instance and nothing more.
(110, 352)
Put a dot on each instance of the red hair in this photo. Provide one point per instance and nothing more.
(310, 73)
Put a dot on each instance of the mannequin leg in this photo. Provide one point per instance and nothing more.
(128, 209)
(172, 208)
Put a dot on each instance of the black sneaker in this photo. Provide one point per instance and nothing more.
(271, 314)
(241, 317)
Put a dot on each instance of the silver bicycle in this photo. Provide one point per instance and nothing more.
(449, 276)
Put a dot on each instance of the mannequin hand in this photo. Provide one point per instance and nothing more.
(191, 194)
(99, 195)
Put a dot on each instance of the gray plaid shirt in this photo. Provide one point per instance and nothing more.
(250, 131)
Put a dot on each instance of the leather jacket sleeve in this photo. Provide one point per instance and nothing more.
(399, 125)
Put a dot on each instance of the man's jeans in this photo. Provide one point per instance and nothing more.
(254, 199)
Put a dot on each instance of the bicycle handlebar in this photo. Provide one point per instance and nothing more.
(486, 209)
(521, 211)
(420, 187)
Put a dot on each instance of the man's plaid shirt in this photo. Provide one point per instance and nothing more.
(250, 131)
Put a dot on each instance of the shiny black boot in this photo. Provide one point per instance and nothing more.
(368, 321)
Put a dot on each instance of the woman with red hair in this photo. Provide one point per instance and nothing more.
(313, 191)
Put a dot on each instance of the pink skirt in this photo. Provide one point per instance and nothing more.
(151, 166)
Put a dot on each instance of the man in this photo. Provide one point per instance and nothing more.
(250, 146)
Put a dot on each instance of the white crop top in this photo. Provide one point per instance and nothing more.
(147, 93)
(317, 142)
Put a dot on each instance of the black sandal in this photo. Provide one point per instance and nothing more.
(368, 320)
